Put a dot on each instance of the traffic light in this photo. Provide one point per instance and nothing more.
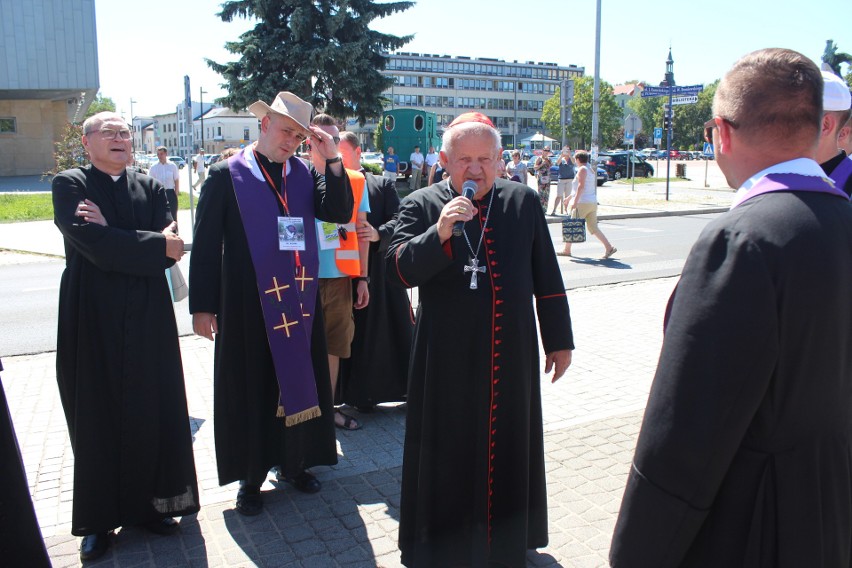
(667, 122)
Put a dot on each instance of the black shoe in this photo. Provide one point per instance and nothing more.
(304, 482)
(249, 500)
(164, 527)
(94, 546)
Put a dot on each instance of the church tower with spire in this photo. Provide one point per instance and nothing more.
(669, 81)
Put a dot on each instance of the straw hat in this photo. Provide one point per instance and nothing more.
(289, 105)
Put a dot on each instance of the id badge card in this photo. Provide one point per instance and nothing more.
(329, 237)
(291, 233)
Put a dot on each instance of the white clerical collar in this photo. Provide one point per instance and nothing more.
(801, 166)
(248, 153)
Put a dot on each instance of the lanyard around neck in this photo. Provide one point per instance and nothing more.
(282, 197)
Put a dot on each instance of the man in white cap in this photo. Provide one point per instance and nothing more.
(256, 292)
(836, 102)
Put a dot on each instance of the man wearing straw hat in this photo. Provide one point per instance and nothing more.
(256, 293)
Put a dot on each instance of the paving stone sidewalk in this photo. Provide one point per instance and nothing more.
(591, 419)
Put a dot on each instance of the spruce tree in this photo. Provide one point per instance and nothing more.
(322, 50)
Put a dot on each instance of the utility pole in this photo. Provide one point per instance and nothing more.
(132, 131)
(596, 100)
(201, 93)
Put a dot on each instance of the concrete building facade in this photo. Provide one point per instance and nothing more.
(48, 77)
(511, 93)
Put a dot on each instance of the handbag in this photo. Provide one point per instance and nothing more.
(573, 229)
(177, 283)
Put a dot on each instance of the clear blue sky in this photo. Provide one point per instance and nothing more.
(146, 48)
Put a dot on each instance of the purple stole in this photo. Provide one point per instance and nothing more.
(842, 172)
(790, 182)
(288, 293)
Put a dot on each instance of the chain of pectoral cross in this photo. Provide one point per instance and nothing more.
(473, 263)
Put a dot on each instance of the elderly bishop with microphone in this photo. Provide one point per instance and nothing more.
(473, 484)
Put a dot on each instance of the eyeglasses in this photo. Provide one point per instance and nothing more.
(711, 124)
(111, 133)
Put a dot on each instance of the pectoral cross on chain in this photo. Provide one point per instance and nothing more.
(473, 268)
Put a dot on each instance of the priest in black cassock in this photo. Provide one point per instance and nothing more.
(377, 370)
(21, 544)
(253, 286)
(473, 483)
(118, 359)
(744, 457)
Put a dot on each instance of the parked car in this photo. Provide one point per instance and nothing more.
(616, 165)
(375, 158)
(181, 163)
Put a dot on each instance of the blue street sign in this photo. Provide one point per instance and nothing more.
(628, 136)
(708, 149)
(658, 133)
(665, 91)
(655, 91)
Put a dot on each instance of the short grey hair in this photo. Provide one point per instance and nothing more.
(460, 130)
(93, 122)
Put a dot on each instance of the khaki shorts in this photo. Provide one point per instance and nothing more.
(336, 298)
(589, 212)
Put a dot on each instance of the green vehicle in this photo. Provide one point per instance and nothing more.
(406, 128)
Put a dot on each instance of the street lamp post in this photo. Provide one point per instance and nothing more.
(132, 130)
(201, 93)
(597, 89)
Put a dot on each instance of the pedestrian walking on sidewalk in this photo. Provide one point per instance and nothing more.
(118, 361)
(584, 200)
(542, 174)
(563, 184)
(743, 458)
(473, 480)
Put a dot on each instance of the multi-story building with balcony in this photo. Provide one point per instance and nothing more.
(511, 93)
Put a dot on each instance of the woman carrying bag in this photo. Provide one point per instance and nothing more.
(584, 199)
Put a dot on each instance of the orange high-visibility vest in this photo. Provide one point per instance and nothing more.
(347, 256)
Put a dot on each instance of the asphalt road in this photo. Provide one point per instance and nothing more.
(647, 248)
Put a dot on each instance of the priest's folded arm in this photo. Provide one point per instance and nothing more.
(135, 252)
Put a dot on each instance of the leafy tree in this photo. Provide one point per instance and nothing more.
(688, 120)
(580, 130)
(100, 104)
(68, 151)
(647, 109)
(322, 50)
(835, 59)
(379, 136)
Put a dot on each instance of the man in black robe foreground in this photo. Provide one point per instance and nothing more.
(473, 485)
(377, 370)
(118, 362)
(253, 286)
(745, 453)
(21, 544)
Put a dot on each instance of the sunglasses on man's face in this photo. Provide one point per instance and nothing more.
(711, 124)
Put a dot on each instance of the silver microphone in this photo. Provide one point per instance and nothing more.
(468, 190)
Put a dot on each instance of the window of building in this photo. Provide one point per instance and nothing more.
(245, 133)
(8, 125)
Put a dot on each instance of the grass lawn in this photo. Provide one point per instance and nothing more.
(16, 207)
